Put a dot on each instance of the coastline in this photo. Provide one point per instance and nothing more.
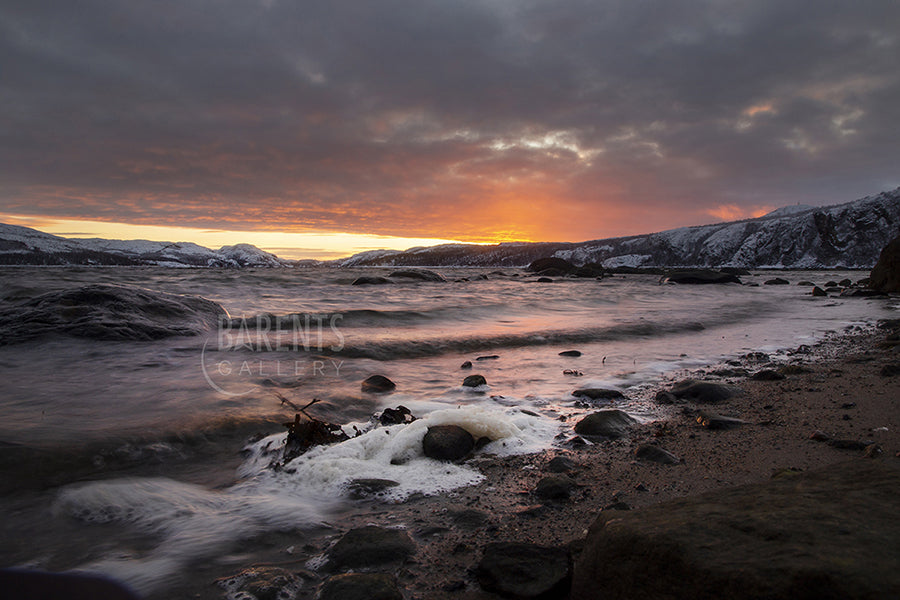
(839, 390)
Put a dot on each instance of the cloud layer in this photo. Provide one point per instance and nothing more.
(476, 120)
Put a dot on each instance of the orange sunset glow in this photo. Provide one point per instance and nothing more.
(478, 123)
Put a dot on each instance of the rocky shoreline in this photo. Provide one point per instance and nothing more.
(823, 406)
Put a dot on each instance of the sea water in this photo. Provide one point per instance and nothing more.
(167, 446)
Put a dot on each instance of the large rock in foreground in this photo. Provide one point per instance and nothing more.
(824, 534)
(885, 276)
(516, 570)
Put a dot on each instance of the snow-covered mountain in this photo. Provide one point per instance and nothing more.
(848, 235)
(24, 246)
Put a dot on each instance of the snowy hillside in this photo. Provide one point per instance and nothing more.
(847, 235)
(24, 246)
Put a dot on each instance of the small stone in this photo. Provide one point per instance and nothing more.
(489, 357)
(666, 398)
(570, 353)
(370, 546)
(718, 422)
(466, 365)
(396, 416)
(819, 292)
(561, 464)
(611, 424)
(767, 375)
(474, 381)
(703, 392)
(777, 281)
(652, 453)
(849, 444)
(820, 436)
(359, 586)
(873, 451)
(554, 488)
(544, 280)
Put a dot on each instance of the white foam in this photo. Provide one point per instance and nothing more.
(194, 522)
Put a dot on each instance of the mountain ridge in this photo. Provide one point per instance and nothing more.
(848, 235)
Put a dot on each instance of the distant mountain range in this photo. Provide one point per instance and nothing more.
(24, 246)
(848, 235)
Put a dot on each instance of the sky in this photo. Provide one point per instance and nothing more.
(319, 128)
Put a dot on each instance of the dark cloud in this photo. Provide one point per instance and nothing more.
(473, 120)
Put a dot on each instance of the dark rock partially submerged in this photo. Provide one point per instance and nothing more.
(371, 280)
(598, 394)
(831, 541)
(700, 276)
(473, 381)
(418, 275)
(377, 384)
(447, 442)
(109, 312)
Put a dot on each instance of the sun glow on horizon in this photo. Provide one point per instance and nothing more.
(322, 245)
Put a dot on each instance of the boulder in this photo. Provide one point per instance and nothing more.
(651, 453)
(418, 275)
(700, 276)
(370, 546)
(110, 312)
(517, 570)
(612, 423)
(544, 280)
(555, 488)
(777, 281)
(359, 586)
(703, 392)
(590, 270)
(447, 442)
(570, 353)
(474, 381)
(598, 394)
(561, 464)
(542, 264)
(466, 365)
(377, 384)
(370, 280)
(817, 534)
(885, 276)
(819, 292)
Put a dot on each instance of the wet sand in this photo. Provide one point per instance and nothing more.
(841, 393)
(837, 388)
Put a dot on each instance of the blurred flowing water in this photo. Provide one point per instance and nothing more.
(157, 427)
